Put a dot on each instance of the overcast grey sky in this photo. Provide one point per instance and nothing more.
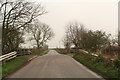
(95, 15)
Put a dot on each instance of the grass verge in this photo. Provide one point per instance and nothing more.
(61, 51)
(100, 68)
(12, 65)
(17, 63)
(43, 53)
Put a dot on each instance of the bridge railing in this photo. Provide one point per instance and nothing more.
(8, 56)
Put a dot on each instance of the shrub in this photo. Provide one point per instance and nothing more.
(117, 63)
(110, 73)
(36, 51)
(117, 66)
(108, 63)
(62, 51)
(100, 58)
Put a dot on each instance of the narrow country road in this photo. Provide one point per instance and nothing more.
(54, 65)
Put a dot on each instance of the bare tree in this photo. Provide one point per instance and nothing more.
(16, 16)
(41, 33)
(67, 42)
(85, 39)
(19, 13)
(74, 31)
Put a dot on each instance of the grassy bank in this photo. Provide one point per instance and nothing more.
(18, 62)
(98, 64)
(98, 67)
(43, 53)
(61, 51)
(12, 65)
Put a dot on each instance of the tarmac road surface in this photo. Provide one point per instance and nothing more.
(54, 65)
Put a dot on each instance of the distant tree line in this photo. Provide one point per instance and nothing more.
(15, 19)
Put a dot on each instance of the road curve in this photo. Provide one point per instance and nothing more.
(54, 65)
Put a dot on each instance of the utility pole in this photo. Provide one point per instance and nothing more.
(119, 31)
(59, 44)
(118, 36)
